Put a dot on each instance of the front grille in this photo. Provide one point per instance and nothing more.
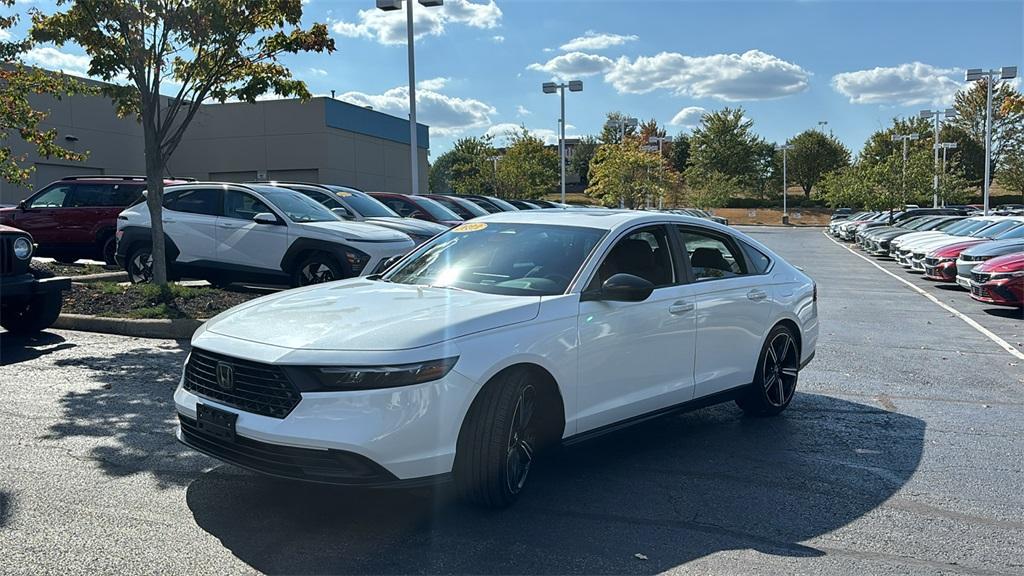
(258, 388)
(980, 277)
(931, 262)
(331, 466)
(6, 254)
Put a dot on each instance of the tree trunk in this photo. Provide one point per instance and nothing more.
(154, 201)
(807, 190)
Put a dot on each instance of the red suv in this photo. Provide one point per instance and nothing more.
(76, 217)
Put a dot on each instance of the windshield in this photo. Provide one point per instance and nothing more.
(918, 223)
(365, 205)
(501, 258)
(969, 227)
(997, 229)
(1017, 232)
(297, 207)
(436, 210)
(467, 210)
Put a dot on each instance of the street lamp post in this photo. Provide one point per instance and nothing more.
(785, 209)
(974, 74)
(821, 125)
(551, 88)
(660, 141)
(945, 146)
(387, 6)
(905, 138)
(949, 113)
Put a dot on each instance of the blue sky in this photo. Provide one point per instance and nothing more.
(788, 64)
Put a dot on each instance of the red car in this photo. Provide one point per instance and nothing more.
(940, 265)
(418, 207)
(1000, 281)
(76, 217)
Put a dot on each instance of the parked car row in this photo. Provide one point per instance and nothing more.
(981, 254)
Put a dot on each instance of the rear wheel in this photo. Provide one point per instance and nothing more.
(108, 247)
(317, 268)
(498, 443)
(778, 368)
(139, 265)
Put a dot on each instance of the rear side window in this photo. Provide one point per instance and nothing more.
(712, 256)
(196, 201)
(757, 262)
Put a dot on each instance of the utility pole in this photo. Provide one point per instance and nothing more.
(785, 208)
(945, 146)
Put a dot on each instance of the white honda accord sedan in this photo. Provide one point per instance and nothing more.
(498, 338)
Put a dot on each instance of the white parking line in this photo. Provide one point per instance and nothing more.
(1002, 343)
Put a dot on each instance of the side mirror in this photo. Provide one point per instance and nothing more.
(265, 218)
(342, 213)
(22, 205)
(622, 288)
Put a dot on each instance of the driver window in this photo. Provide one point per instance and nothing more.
(242, 206)
(52, 198)
(645, 253)
(711, 256)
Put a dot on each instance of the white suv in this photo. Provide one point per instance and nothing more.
(228, 233)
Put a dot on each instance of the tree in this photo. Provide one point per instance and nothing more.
(468, 168)
(767, 175)
(723, 143)
(626, 173)
(679, 153)
(16, 113)
(813, 154)
(582, 153)
(1011, 177)
(611, 133)
(707, 190)
(1007, 118)
(880, 145)
(207, 49)
(528, 169)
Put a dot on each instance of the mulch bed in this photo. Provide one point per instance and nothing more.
(76, 269)
(146, 301)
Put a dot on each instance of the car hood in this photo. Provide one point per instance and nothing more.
(365, 315)
(996, 248)
(408, 225)
(1008, 263)
(358, 231)
(908, 241)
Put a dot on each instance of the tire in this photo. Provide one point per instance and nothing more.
(498, 442)
(36, 313)
(317, 268)
(108, 248)
(139, 265)
(66, 259)
(778, 369)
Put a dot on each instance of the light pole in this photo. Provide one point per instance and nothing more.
(905, 138)
(387, 6)
(821, 125)
(935, 114)
(660, 141)
(785, 209)
(551, 88)
(945, 146)
(973, 74)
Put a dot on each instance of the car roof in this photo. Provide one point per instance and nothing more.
(603, 219)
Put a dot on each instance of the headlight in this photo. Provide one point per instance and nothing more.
(338, 378)
(1007, 275)
(22, 248)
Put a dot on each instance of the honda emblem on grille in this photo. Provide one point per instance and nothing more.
(225, 375)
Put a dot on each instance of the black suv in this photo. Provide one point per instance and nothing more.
(30, 297)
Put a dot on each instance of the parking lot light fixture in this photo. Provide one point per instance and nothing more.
(936, 115)
(388, 6)
(785, 210)
(973, 75)
(551, 88)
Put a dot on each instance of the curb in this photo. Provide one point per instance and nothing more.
(180, 329)
(121, 276)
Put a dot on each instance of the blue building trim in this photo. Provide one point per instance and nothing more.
(345, 116)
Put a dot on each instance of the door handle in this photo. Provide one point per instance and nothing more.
(227, 225)
(757, 295)
(680, 307)
(168, 219)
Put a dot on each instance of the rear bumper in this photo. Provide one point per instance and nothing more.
(25, 285)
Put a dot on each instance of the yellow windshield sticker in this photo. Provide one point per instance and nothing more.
(344, 194)
(470, 227)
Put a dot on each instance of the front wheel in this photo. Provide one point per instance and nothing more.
(317, 268)
(498, 444)
(778, 368)
(33, 314)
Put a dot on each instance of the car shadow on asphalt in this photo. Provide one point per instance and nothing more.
(6, 504)
(129, 408)
(15, 349)
(672, 490)
(1005, 312)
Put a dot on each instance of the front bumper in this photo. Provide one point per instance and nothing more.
(940, 271)
(1003, 292)
(26, 285)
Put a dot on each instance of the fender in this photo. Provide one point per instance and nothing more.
(300, 245)
(133, 235)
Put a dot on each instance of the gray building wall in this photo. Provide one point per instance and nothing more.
(274, 139)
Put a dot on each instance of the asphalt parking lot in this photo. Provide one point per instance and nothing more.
(901, 454)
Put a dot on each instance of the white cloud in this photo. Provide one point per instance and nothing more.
(907, 84)
(522, 111)
(53, 59)
(5, 35)
(688, 117)
(446, 115)
(389, 27)
(432, 83)
(503, 130)
(318, 72)
(574, 64)
(753, 75)
(497, 38)
(596, 41)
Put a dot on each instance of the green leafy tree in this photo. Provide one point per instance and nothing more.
(724, 143)
(611, 133)
(1011, 177)
(582, 153)
(528, 169)
(17, 116)
(706, 190)
(203, 50)
(679, 153)
(813, 154)
(628, 174)
(468, 168)
(767, 175)
(844, 187)
(880, 145)
(1007, 119)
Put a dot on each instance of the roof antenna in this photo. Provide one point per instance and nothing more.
(332, 94)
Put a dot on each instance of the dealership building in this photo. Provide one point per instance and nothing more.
(320, 140)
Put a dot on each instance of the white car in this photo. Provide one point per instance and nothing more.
(903, 248)
(228, 233)
(498, 338)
